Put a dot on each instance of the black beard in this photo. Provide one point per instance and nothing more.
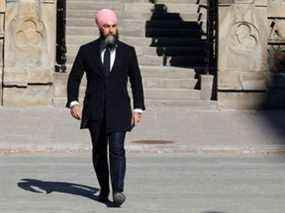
(109, 41)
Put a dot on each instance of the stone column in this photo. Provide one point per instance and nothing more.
(242, 57)
(30, 30)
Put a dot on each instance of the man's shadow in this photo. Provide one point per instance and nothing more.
(39, 186)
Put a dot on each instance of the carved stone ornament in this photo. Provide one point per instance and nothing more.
(242, 48)
(26, 45)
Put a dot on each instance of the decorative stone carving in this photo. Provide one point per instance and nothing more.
(243, 42)
(26, 49)
(243, 45)
(243, 35)
(29, 50)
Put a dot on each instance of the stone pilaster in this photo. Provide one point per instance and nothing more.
(242, 59)
(29, 52)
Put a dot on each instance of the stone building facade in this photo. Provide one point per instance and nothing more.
(251, 41)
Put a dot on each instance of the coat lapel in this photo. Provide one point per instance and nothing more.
(118, 56)
(98, 61)
(97, 55)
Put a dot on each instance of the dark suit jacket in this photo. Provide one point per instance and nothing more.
(111, 90)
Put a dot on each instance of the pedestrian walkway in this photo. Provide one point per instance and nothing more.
(185, 130)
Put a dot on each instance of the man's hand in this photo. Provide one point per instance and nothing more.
(136, 118)
(75, 111)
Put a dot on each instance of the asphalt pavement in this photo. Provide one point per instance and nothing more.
(196, 183)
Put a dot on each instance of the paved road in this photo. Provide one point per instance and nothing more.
(195, 183)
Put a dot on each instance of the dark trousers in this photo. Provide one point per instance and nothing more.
(100, 142)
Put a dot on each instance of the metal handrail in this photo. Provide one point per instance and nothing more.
(60, 37)
(212, 14)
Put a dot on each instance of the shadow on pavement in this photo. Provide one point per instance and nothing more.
(39, 186)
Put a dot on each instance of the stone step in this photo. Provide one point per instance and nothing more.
(147, 15)
(140, 29)
(191, 104)
(140, 50)
(148, 82)
(78, 40)
(200, 51)
(159, 103)
(137, 24)
(92, 30)
(149, 93)
(177, 41)
(196, 62)
(152, 60)
(157, 15)
(165, 8)
(150, 32)
(168, 24)
(203, 2)
(174, 83)
(82, 39)
(153, 72)
(178, 61)
(95, 5)
(76, 30)
(138, 7)
(143, 59)
(164, 32)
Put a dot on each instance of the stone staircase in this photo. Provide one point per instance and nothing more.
(169, 39)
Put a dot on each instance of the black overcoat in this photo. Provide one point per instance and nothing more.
(103, 92)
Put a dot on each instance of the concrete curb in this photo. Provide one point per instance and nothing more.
(159, 149)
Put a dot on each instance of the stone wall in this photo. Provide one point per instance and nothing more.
(30, 30)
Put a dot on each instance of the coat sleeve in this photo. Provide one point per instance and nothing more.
(136, 80)
(74, 79)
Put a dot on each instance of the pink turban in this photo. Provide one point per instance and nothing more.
(105, 16)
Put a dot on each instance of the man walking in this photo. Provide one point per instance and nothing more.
(106, 112)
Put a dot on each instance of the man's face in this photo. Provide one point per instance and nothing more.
(109, 29)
